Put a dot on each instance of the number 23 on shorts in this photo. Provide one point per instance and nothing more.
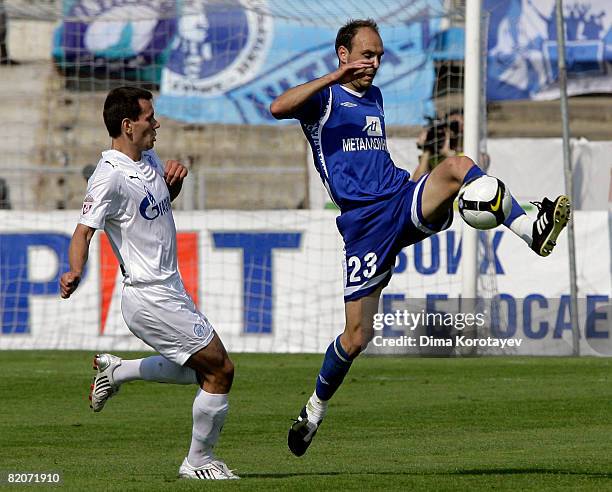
(362, 268)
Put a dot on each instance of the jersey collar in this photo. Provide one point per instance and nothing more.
(354, 93)
(120, 156)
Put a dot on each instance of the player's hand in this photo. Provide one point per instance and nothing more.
(174, 172)
(421, 139)
(446, 150)
(69, 281)
(355, 70)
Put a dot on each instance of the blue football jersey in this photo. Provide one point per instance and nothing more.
(346, 131)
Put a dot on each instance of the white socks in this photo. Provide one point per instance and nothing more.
(316, 408)
(209, 411)
(522, 226)
(155, 368)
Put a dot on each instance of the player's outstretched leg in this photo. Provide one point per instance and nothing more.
(540, 234)
(112, 372)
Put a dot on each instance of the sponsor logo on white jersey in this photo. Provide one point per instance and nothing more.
(149, 207)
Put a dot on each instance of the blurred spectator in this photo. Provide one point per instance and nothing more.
(5, 198)
(60, 203)
(442, 138)
(4, 56)
(87, 171)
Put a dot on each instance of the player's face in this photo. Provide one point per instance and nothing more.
(366, 44)
(144, 129)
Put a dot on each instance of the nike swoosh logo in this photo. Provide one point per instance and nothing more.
(135, 177)
(495, 207)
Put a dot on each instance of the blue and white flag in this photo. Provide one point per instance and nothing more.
(228, 62)
(523, 52)
(118, 39)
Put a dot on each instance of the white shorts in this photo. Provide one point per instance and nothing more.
(164, 316)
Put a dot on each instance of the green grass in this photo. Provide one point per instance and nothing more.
(396, 424)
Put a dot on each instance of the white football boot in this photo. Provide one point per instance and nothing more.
(103, 385)
(215, 470)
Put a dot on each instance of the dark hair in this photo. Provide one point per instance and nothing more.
(121, 103)
(347, 32)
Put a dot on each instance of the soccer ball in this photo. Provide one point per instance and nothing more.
(485, 202)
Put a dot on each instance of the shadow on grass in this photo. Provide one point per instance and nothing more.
(473, 471)
(524, 471)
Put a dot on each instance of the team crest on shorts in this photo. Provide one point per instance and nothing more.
(198, 330)
(87, 204)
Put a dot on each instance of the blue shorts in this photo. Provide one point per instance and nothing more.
(374, 235)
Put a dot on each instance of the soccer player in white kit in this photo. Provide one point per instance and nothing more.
(129, 196)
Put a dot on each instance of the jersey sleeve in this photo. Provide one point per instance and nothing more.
(314, 107)
(103, 198)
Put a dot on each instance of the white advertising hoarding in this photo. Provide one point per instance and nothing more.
(272, 281)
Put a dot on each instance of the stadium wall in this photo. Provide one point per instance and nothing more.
(272, 282)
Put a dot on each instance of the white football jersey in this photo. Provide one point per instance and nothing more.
(131, 202)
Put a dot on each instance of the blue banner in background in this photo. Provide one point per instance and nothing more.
(227, 64)
(117, 39)
(224, 62)
(523, 54)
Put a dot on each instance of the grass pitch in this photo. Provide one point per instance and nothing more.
(396, 424)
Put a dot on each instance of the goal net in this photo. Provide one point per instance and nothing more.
(258, 246)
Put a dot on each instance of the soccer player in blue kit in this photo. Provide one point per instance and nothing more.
(382, 210)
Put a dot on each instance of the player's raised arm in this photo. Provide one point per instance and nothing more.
(286, 105)
(78, 252)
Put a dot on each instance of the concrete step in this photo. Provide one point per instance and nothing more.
(590, 117)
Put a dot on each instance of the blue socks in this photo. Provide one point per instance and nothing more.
(335, 366)
(473, 173)
(516, 211)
